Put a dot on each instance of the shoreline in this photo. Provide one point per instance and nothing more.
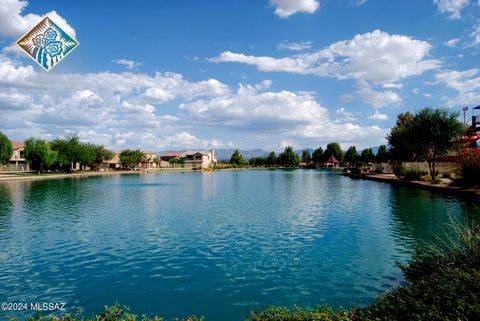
(29, 176)
(442, 188)
(385, 178)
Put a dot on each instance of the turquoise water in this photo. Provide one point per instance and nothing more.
(217, 244)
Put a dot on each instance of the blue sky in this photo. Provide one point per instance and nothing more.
(183, 74)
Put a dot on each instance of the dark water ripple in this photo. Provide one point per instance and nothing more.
(216, 244)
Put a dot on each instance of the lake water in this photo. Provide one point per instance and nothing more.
(218, 244)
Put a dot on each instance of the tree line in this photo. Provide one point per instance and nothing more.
(318, 158)
(63, 154)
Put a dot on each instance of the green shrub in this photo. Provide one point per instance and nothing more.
(113, 313)
(414, 174)
(444, 281)
(469, 170)
(398, 169)
(321, 313)
(355, 171)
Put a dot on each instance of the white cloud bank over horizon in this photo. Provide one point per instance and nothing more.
(128, 109)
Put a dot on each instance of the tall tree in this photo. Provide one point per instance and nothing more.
(131, 158)
(271, 159)
(402, 138)
(335, 150)
(6, 149)
(237, 158)
(351, 155)
(38, 154)
(306, 157)
(317, 156)
(367, 155)
(69, 151)
(102, 154)
(289, 158)
(426, 136)
(383, 155)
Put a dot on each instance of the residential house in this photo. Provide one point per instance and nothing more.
(17, 161)
(151, 162)
(111, 164)
(192, 159)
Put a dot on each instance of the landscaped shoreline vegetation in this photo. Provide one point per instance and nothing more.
(442, 283)
(425, 136)
(6, 149)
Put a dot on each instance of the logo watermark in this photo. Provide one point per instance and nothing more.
(32, 306)
(47, 44)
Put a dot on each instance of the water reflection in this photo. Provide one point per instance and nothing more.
(217, 244)
(419, 215)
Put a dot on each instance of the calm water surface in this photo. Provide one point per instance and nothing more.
(215, 244)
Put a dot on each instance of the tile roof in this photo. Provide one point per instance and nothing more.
(17, 145)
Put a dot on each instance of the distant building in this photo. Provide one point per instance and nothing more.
(151, 162)
(113, 163)
(17, 161)
(192, 159)
(332, 162)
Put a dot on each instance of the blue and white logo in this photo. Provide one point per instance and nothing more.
(47, 44)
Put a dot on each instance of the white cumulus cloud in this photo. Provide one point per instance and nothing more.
(286, 8)
(129, 64)
(14, 24)
(294, 46)
(466, 83)
(376, 56)
(453, 7)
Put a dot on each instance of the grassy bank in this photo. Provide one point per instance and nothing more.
(443, 283)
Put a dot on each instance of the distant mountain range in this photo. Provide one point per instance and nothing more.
(225, 154)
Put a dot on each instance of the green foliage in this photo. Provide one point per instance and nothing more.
(6, 149)
(356, 171)
(317, 156)
(237, 159)
(401, 138)
(306, 157)
(383, 156)
(112, 313)
(71, 151)
(335, 150)
(288, 158)
(258, 161)
(177, 160)
(469, 170)
(367, 155)
(101, 153)
(425, 136)
(321, 313)
(351, 156)
(444, 281)
(271, 159)
(38, 154)
(130, 158)
(413, 174)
